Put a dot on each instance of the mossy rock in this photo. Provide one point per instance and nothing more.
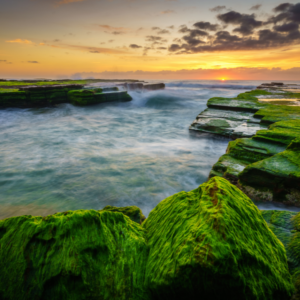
(280, 174)
(73, 255)
(286, 226)
(213, 243)
(133, 212)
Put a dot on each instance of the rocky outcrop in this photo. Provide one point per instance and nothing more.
(89, 97)
(37, 96)
(286, 225)
(265, 162)
(72, 255)
(209, 243)
(40, 96)
(154, 86)
(266, 166)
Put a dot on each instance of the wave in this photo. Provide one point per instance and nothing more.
(210, 86)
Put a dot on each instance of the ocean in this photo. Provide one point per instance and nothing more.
(135, 153)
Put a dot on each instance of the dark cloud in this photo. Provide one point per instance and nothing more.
(162, 48)
(134, 46)
(247, 22)
(171, 27)
(110, 41)
(218, 8)
(282, 7)
(155, 39)
(287, 27)
(56, 40)
(287, 13)
(192, 32)
(206, 26)
(256, 7)
(156, 28)
(33, 62)
(3, 60)
(225, 41)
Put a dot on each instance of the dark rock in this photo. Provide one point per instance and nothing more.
(154, 86)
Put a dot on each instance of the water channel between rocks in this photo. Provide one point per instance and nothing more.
(135, 153)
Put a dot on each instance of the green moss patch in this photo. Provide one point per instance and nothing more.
(213, 242)
(72, 255)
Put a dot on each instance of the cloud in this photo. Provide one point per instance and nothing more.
(162, 48)
(20, 41)
(111, 41)
(56, 40)
(166, 12)
(218, 8)
(241, 73)
(111, 29)
(135, 46)
(92, 49)
(171, 27)
(282, 7)
(256, 7)
(155, 39)
(247, 22)
(287, 27)
(248, 33)
(33, 62)
(3, 60)
(287, 13)
(206, 26)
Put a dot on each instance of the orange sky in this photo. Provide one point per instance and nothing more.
(72, 38)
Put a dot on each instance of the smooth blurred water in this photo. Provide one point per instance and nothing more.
(134, 153)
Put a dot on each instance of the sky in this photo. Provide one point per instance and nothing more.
(150, 39)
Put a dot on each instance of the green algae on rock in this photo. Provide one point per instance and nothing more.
(88, 97)
(209, 243)
(286, 226)
(133, 212)
(264, 166)
(278, 174)
(213, 242)
(72, 255)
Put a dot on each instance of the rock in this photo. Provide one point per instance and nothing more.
(72, 255)
(213, 243)
(227, 123)
(154, 86)
(37, 96)
(285, 225)
(267, 166)
(278, 174)
(209, 243)
(133, 212)
(232, 117)
(89, 97)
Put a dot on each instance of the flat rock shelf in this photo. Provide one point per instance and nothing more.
(264, 158)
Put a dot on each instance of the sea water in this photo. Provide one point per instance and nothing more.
(135, 153)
